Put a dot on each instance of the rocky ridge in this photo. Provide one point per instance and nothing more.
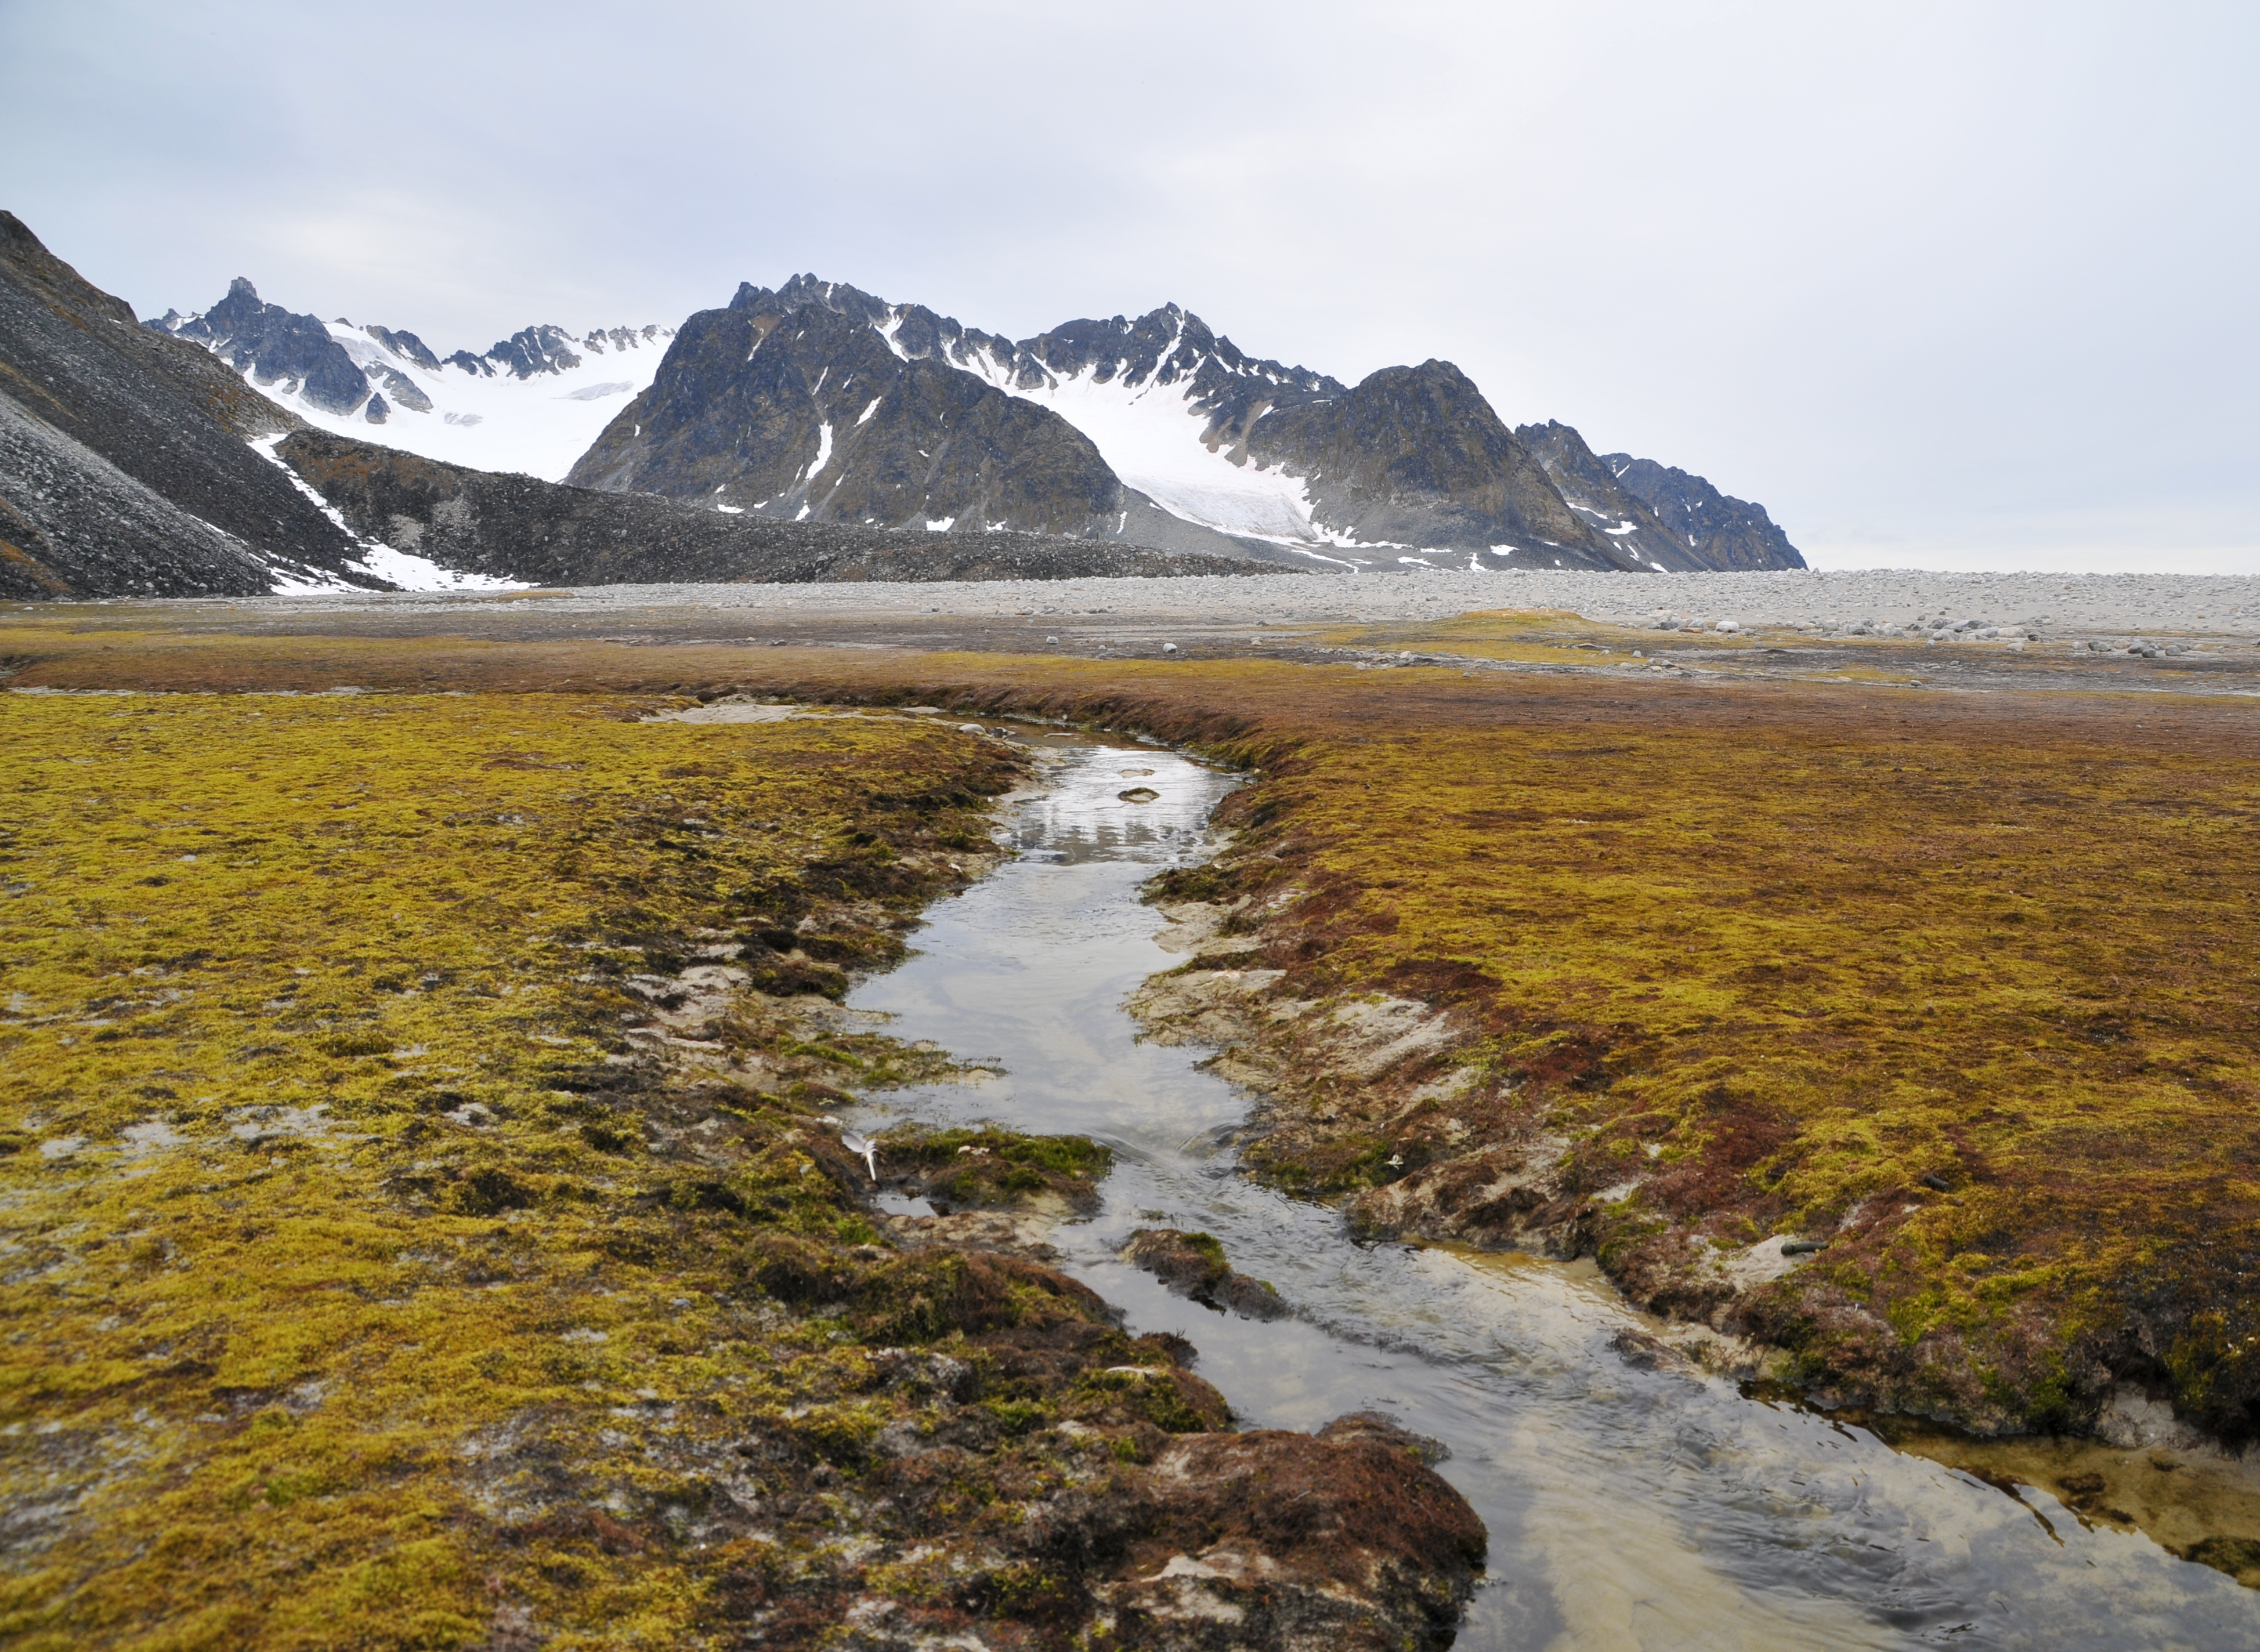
(1731, 533)
(325, 365)
(796, 405)
(819, 401)
(1666, 519)
(124, 468)
(517, 527)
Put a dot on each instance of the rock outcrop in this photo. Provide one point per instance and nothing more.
(1725, 532)
(1415, 456)
(1665, 518)
(784, 405)
(531, 402)
(547, 533)
(124, 467)
(292, 353)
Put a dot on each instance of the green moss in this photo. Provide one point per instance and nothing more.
(985, 1167)
(1769, 946)
(371, 1281)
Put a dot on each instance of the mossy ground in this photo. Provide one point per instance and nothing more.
(389, 1265)
(983, 1166)
(1763, 956)
(1779, 977)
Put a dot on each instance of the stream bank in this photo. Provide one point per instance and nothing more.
(1631, 1502)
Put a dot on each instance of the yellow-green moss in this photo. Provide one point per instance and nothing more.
(369, 1278)
(1809, 964)
(1808, 943)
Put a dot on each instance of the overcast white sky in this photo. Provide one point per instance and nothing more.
(1946, 284)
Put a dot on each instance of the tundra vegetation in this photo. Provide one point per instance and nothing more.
(1909, 1034)
(425, 1229)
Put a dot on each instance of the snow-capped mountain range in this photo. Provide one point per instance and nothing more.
(816, 402)
(531, 404)
(791, 434)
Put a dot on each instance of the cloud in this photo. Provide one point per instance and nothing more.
(1922, 276)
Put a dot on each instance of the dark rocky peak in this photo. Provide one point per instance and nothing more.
(1426, 428)
(914, 332)
(1719, 529)
(1589, 485)
(918, 333)
(1159, 346)
(810, 414)
(532, 350)
(1172, 346)
(618, 338)
(1164, 347)
(1167, 345)
(26, 260)
(802, 290)
(279, 347)
(406, 345)
(1416, 456)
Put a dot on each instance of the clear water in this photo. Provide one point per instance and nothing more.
(1627, 1508)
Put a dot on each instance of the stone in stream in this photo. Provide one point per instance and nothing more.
(1193, 1264)
(1269, 1539)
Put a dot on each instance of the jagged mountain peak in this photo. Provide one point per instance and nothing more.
(531, 402)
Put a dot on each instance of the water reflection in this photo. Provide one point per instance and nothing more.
(1627, 1508)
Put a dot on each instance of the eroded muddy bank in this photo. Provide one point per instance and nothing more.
(2140, 1468)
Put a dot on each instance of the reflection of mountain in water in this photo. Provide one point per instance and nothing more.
(1085, 817)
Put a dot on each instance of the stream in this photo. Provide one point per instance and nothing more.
(1627, 1508)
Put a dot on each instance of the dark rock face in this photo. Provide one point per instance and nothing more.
(124, 465)
(1170, 345)
(297, 354)
(793, 405)
(292, 351)
(408, 346)
(532, 350)
(549, 533)
(1416, 456)
(405, 390)
(1590, 487)
(1725, 532)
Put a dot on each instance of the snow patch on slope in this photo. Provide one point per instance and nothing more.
(493, 421)
(379, 560)
(1154, 437)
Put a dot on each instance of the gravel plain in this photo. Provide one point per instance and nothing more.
(2072, 606)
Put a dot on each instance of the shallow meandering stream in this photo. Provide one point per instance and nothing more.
(1627, 1507)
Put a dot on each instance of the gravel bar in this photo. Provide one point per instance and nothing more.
(2077, 605)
